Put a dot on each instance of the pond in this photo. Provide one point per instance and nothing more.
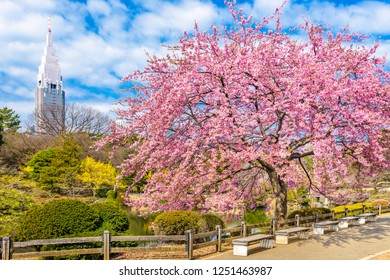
(138, 225)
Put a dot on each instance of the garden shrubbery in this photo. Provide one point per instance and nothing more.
(308, 212)
(13, 204)
(351, 207)
(112, 217)
(179, 221)
(58, 218)
(73, 218)
(212, 221)
(255, 217)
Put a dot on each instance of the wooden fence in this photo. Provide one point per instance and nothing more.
(188, 242)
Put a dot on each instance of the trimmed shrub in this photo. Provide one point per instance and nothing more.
(73, 218)
(308, 212)
(112, 217)
(255, 217)
(351, 207)
(58, 218)
(179, 221)
(212, 221)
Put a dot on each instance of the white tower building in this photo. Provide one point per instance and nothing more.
(49, 96)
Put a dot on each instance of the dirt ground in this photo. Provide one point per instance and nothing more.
(170, 255)
(198, 254)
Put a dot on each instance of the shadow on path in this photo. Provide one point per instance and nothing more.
(352, 243)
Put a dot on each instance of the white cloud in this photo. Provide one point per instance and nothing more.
(171, 19)
(363, 17)
(98, 8)
(102, 107)
(384, 49)
(266, 7)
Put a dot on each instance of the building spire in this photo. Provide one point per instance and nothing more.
(49, 95)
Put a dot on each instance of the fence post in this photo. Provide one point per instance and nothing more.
(316, 217)
(332, 212)
(106, 244)
(274, 226)
(243, 229)
(219, 238)
(5, 251)
(379, 209)
(190, 244)
(297, 219)
(346, 212)
(364, 209)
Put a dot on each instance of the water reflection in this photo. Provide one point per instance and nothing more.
(138, 225)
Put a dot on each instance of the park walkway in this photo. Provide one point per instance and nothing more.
(353, 243)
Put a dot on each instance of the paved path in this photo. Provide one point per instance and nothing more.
(353, 243)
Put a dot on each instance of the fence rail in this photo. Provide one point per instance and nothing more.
(190, 241)
(62, 241)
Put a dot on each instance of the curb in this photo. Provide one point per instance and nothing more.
(369, 257)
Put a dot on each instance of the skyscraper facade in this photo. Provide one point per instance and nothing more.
(49, 95)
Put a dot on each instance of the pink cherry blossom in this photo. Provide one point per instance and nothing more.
(227, 118)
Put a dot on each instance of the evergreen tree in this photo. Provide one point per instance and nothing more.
(58, 167)
(8, 121)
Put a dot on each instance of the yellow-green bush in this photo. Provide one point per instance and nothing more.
(13, 204)
(353, 209)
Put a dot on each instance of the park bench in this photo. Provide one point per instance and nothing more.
(281, 236)
(240, 245)
(367, 217)
(346, 221)
(319, 228)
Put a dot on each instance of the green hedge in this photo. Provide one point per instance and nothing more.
(212, 221)
(354, 209)
(308, 212)
(74, 218)
(58, 218)
(178, 222)
(255, 217)
(112, 217)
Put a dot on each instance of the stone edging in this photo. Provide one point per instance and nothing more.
(375, 255)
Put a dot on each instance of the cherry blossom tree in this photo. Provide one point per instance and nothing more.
(229, 115)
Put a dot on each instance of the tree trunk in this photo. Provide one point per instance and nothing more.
(279, 189)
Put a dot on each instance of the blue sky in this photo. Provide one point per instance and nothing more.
(100, 41)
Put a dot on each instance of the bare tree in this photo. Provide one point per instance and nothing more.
(19, 148)
(72, 119)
